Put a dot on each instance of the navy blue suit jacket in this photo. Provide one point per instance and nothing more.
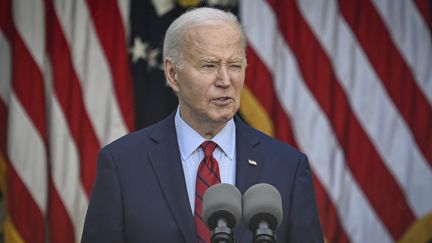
(140, 193)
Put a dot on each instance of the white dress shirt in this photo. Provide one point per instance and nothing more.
(192, 154)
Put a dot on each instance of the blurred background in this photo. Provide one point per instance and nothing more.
(347, 82)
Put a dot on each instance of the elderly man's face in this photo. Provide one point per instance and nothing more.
(210, 81)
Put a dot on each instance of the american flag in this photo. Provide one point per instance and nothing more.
(348, 82)
(65, 92)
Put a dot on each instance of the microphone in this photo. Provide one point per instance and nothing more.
(262, 212)
(222, 210)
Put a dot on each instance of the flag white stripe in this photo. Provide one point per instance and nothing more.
(26, 151)
(65, 172)
(65, 164)
(412, 37)
(124, 8)
(26, 148)
(92, 70)
(326, 156)
(65, 169)
(320, 144)
(5, 69)
(369, 101)
(29, 20)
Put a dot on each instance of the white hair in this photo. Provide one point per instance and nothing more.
(172, 46)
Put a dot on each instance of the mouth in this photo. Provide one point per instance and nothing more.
(222, 101)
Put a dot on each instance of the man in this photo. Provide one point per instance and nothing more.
(150, 183)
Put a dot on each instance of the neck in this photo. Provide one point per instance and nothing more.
(204, 128)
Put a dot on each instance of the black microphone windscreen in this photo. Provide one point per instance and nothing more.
(262, 202)
(222, 200)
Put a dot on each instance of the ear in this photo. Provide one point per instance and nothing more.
(171, 74)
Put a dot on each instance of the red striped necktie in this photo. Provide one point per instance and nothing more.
(207, 176)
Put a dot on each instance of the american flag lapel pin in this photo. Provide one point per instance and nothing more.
(252, 162)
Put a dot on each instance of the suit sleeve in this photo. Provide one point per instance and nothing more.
(304, 224)
(104, 219)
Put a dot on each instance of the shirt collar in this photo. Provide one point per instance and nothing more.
(189, 140)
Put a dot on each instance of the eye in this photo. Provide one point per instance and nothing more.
(235, 67)
(208, 66)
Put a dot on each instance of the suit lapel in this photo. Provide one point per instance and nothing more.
(247, 174)
(165, 159)
(167, 165)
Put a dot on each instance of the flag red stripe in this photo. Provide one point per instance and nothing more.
(25, 215)
(425, 9)
(111, 34)
(316, 69)
(29, 88)
(3, 127)
(70, 97)
(28, 84)
(20, 204)
(61, 228)
(330, 221)
(259, 80)
(391, 68)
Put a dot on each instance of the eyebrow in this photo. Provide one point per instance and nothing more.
(236, 59)
(209, 59)
(215, 60)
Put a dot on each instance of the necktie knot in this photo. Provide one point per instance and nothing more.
(208, 147)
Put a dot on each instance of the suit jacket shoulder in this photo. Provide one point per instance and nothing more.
(144, 139)
(263, 159)
(140, 193)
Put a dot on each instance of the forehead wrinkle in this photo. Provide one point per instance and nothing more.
(195, 43)
(213, 59)
(209, 59)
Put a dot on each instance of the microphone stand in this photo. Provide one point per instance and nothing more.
(222, 233)
(264, 234)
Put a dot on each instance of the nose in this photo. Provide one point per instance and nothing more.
(223, 79)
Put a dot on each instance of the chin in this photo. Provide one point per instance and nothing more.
(224, 116)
